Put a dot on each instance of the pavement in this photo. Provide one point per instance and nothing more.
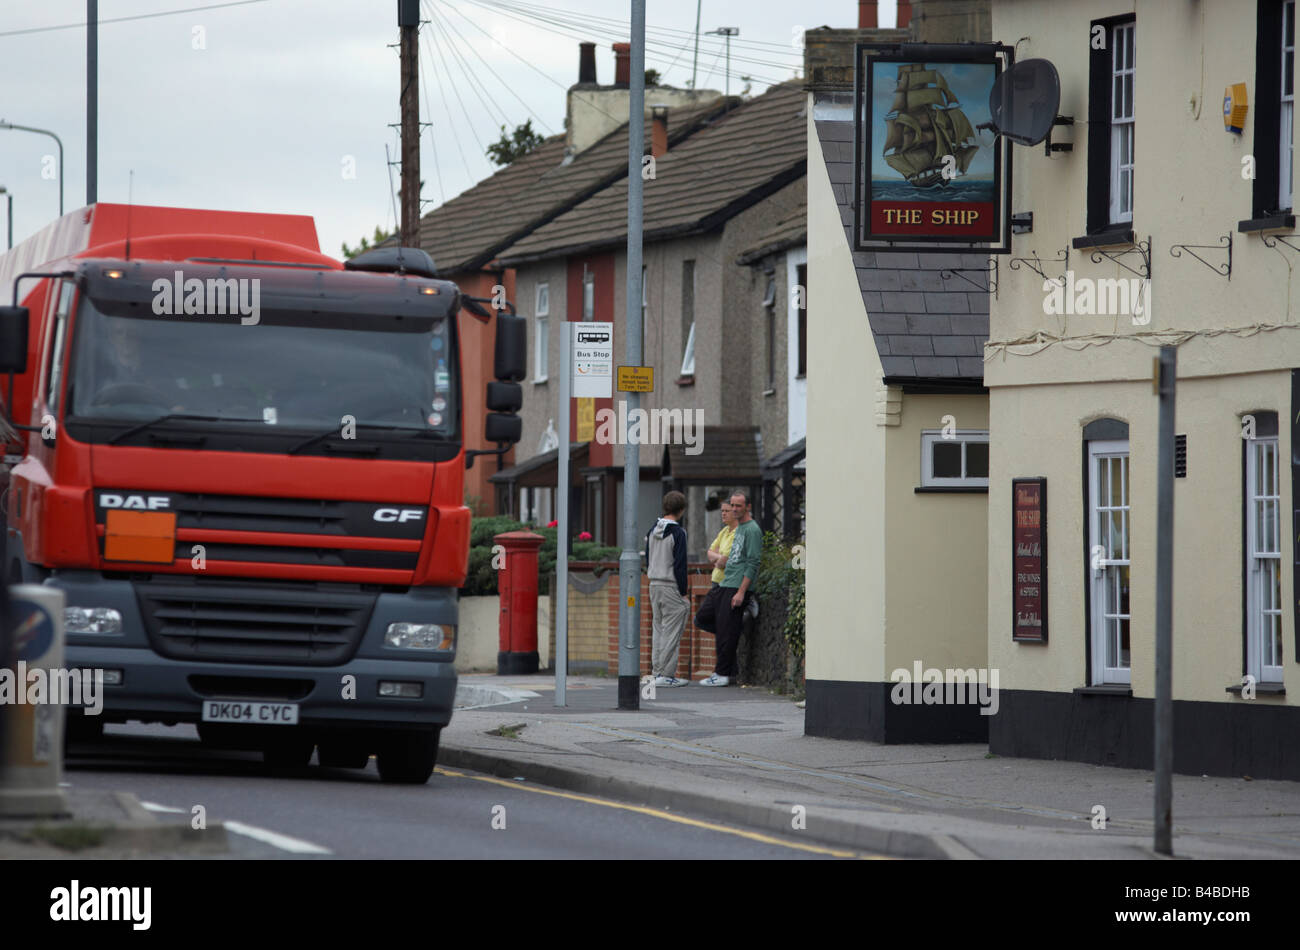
(738, 754)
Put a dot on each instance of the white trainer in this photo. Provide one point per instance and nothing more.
(714, 679)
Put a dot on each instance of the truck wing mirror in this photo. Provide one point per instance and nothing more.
(511, 355)
(13, 339)
(504, 397)
(501, 427)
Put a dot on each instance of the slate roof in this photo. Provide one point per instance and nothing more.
(789, 231)
(577, 451)
(737, 160)
(730, 454)
(925, 327)
(468, 231)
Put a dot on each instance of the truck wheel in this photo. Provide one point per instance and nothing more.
(343, 754)
(289, 752)
(407, 758)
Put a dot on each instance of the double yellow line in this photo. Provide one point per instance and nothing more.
(679, 819)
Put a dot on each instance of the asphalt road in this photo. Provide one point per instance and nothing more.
(347, 813)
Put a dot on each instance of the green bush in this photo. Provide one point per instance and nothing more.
(779, 577)
(481, 579)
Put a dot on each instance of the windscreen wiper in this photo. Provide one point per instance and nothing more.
(321, 436)
(170, 416)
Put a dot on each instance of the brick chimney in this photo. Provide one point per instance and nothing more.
(658, 130)
(868, 14)
(622, 64)
(587, 63)
(904, 13)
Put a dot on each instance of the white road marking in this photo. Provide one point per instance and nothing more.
(274, 838)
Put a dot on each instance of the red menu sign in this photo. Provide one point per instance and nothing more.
(1029, 559)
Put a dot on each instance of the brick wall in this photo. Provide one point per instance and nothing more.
(593, 622)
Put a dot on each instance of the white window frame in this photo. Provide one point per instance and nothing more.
(542, 336)
(1105, 572)
(1263, 561)
(688, 358)
(1286, 114)
(962, 436)
(1122, 125)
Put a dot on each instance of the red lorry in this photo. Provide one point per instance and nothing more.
(243, 462)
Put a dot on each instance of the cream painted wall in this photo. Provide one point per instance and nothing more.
(936, 574)
(846, 503)
(1188, 189)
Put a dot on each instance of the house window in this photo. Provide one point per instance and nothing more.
(1121, 124)
(1263, 558)
(588, 294)
(769, 319)
(1108, 567)
(802, 289)
(542, 338)
(688, 318)
(959, 461)
(1111, 127)
(1286, 147)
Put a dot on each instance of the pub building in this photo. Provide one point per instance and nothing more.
(1071, 402)
(1057, 404)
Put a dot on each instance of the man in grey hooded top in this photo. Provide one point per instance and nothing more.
(669, 603)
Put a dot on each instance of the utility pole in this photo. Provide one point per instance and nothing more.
(728, 32)
(92, 106)
(9, 195)
(695, 63)
(408, 19)
(1165, 384)
(629, 561)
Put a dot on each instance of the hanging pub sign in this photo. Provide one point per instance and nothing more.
(929, 172)
(1029, 559)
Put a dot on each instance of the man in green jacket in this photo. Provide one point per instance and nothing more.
(739, 577)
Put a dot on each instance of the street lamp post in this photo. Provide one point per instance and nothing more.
(728, 32)
(57, 140)
(9, 217)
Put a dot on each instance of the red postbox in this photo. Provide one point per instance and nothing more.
(517, 585)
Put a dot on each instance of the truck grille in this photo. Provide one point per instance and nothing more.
(242, 623)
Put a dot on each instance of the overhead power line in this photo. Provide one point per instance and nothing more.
(123, 19)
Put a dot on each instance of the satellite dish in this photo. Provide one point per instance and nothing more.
(1023, 103)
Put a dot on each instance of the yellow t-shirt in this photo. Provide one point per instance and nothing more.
(722, 544)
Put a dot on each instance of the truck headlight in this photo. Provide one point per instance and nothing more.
(420, 636)
(91, 620)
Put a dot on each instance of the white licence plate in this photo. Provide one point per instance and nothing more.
(259, 714)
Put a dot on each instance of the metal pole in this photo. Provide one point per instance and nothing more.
(629, 562)
(695, 63)
(560, 596)
(92, 106)
(10, 218)
(408, 19)
(727, 81)
(1166, 383)
(57, 141)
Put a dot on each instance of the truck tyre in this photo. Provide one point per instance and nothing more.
(408, 758)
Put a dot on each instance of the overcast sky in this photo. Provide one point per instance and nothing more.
(265, 105)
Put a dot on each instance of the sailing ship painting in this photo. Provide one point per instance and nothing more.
(924, 126)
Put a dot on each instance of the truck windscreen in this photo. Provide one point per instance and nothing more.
(390, 378)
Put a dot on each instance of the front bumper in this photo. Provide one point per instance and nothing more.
(156, 688)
